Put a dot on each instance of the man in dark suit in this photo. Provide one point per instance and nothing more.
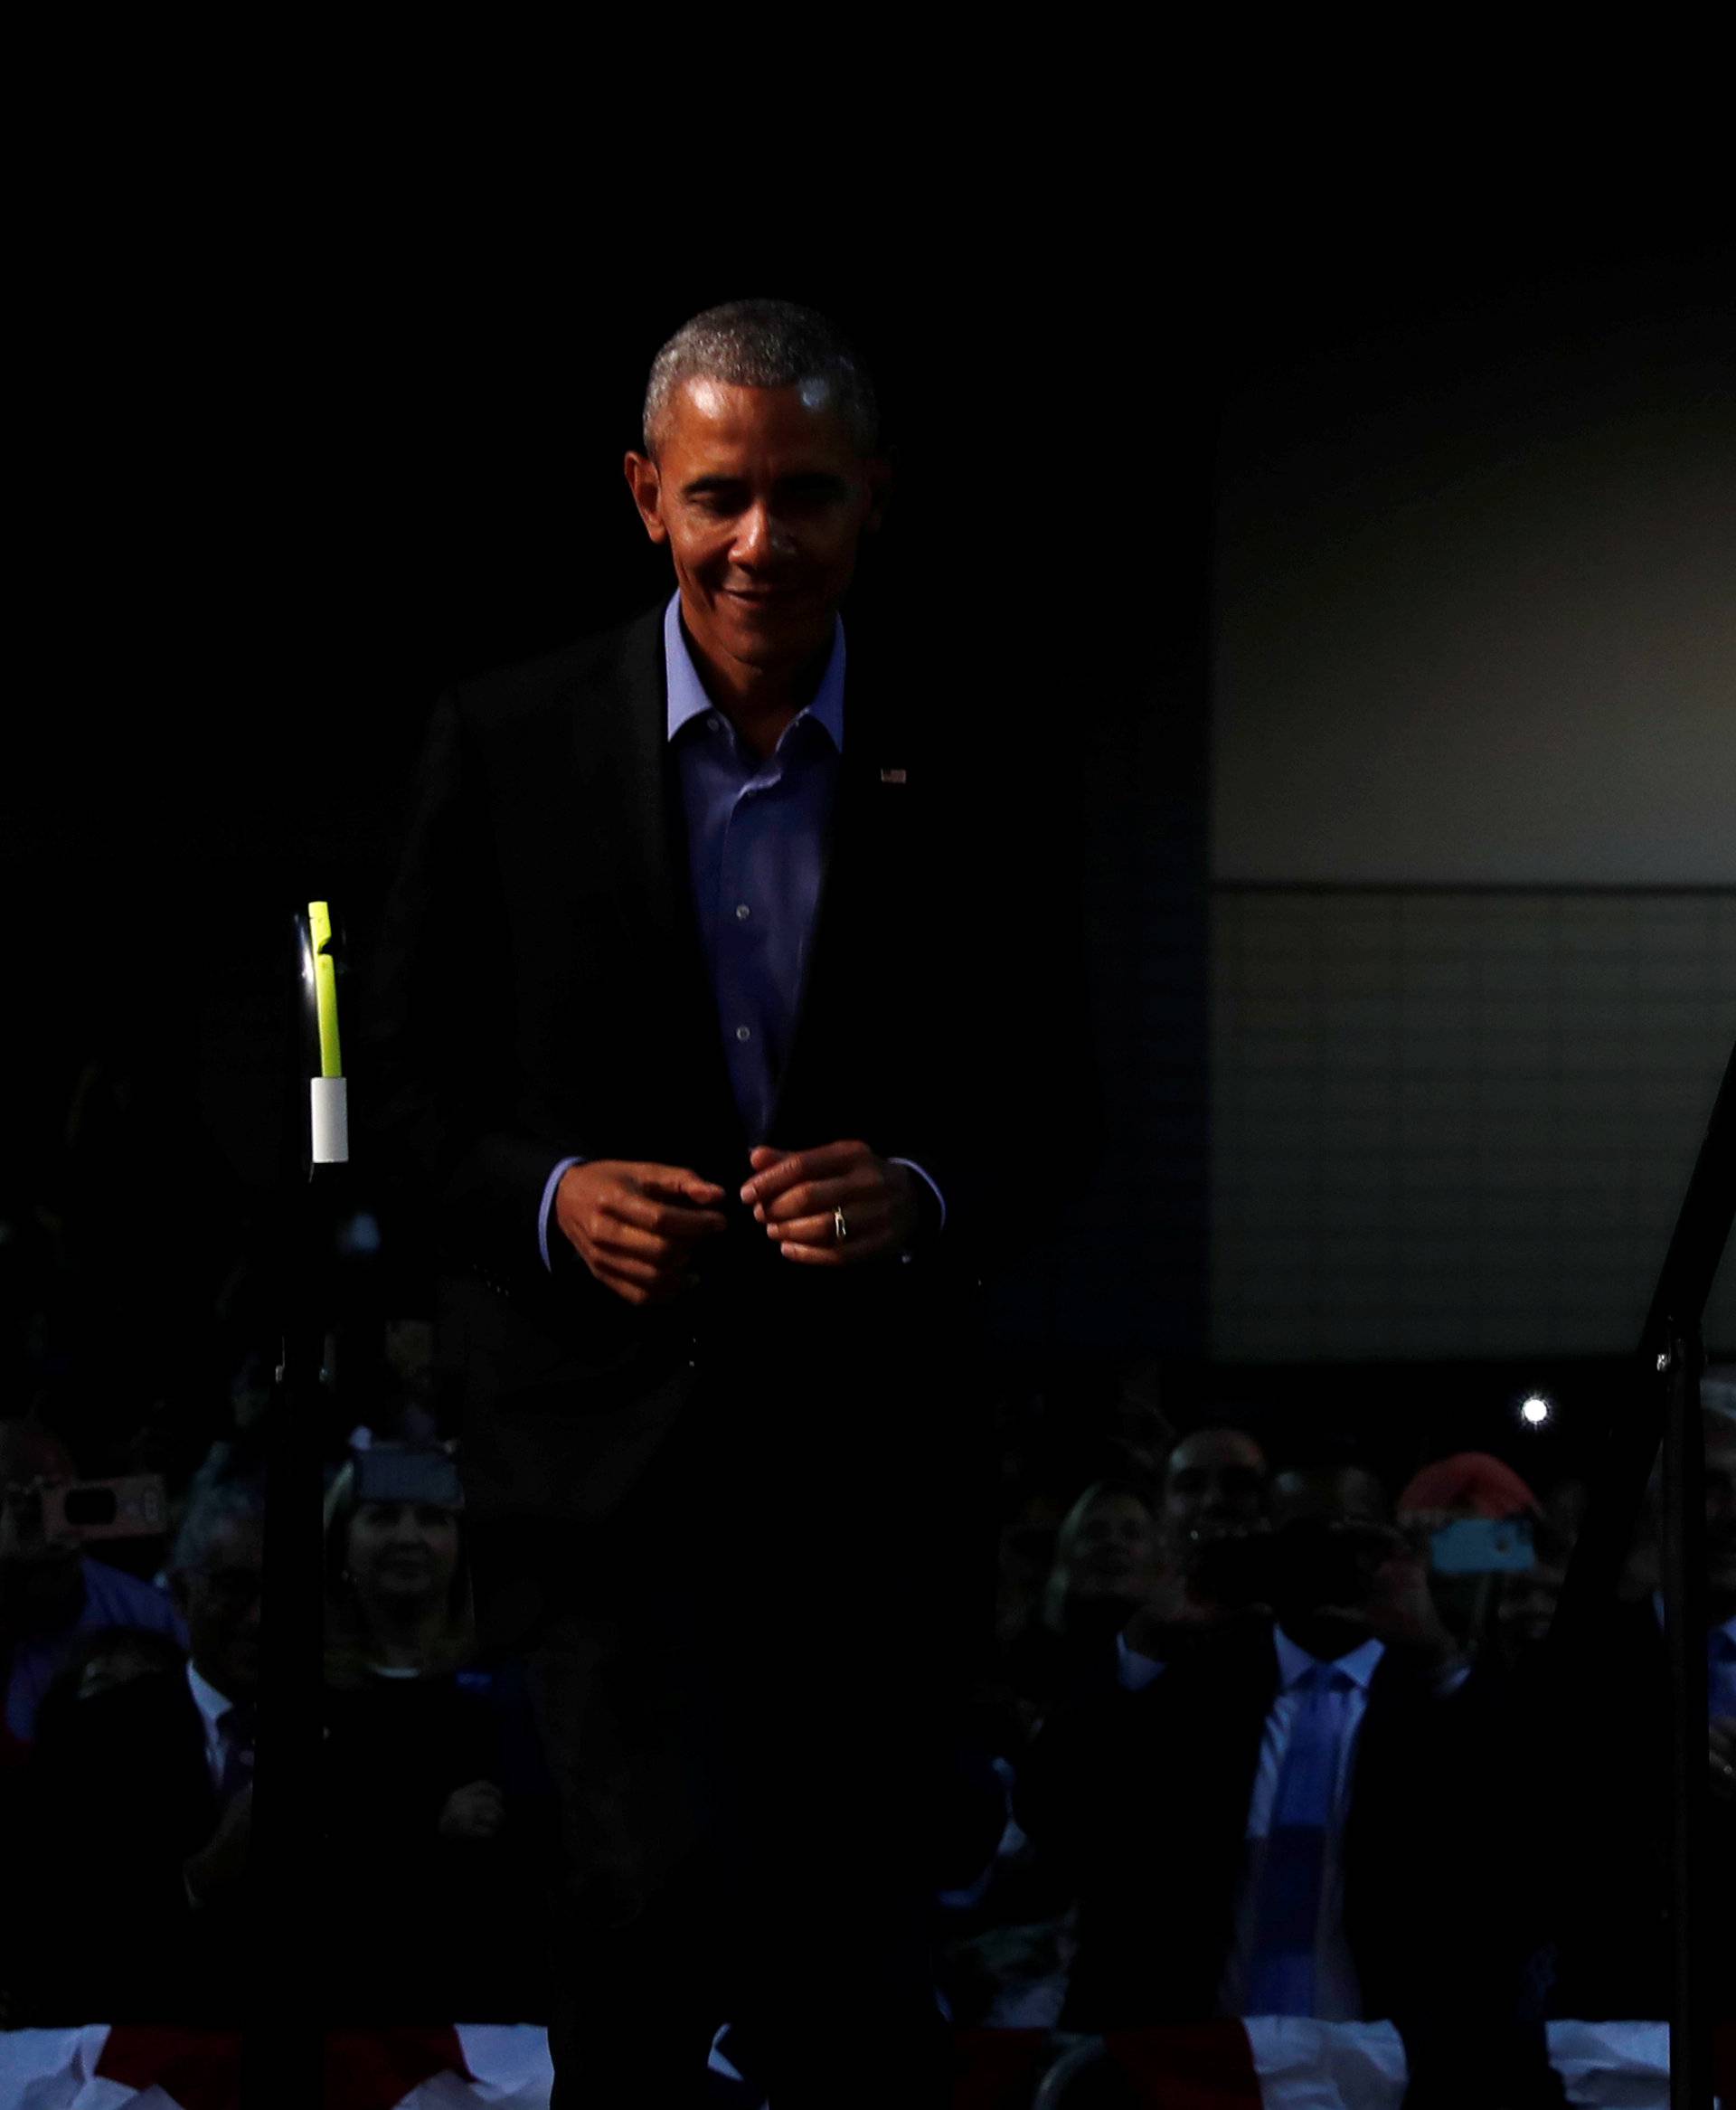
(1180, 1808)
(685, 1030)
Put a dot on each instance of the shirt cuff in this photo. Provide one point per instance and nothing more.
(565, 1165)
(911, 1164)
(1135, 1672)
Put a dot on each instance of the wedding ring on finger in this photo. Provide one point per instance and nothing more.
(839, 1226)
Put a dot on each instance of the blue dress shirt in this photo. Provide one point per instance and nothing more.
(756, 853)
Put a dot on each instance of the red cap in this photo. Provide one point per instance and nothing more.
(1473, 1481)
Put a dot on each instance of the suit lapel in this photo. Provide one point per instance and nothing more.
(621, 752)
(869, 822)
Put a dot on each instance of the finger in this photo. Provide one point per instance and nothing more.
(798, 1165)
(678, 1182)
(668, 1219)
(610, 1234)
(832, 1254)
(625, 1286)
(812, 1197)
(632, 1267)
(863, 1220)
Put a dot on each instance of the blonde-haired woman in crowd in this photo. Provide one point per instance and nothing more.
(435, 1794)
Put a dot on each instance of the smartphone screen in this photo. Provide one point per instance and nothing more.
(1482, 1546)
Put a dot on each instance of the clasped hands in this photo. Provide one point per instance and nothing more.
(638, 1227)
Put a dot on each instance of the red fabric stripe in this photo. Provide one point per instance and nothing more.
(1205, 2065)
(998, 2069)
(373, 2070)
(200, 2069)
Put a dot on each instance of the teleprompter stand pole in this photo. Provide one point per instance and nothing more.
(1666, 1411)
(283, 2041)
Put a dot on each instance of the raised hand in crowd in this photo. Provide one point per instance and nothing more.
(1396, 1606)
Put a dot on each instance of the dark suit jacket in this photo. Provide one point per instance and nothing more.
(541, 991)
(1142, 1799)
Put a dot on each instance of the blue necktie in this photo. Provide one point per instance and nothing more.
(1721, 1673)
(237, 1724)
(1280, 1974)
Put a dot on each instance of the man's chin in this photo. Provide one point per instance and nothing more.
(767, 637)
(1321, 1634)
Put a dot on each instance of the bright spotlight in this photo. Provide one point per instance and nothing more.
(1536, 1410)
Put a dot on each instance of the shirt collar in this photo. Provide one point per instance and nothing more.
(211, 1704)
(688, 697)
(1294, 1663)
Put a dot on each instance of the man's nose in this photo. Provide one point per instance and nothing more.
(763, 539)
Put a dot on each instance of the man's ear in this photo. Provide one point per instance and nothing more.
(645, 483)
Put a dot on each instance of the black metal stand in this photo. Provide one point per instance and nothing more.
(1666, 1411)
(283, 2046)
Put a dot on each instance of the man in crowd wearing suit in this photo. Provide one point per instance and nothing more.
(138, 1805)
(686, 1033)
(1296, 1814)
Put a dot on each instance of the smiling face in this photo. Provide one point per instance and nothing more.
(1113, 1547)
(403, 1553)
(762, 497)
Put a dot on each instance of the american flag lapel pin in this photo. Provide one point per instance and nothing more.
(892, 776)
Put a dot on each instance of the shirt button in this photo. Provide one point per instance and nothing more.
(743, 1033)
(742, 912)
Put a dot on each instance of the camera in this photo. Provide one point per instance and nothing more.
(136, 1506)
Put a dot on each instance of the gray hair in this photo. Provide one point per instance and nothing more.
(209, 1511)
(763, 344)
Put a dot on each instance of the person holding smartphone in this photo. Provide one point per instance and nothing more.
(1247, 1821)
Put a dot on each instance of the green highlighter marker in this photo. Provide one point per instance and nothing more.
(330, 1100)
(319, 921)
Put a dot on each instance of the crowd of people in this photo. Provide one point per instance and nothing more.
(1241, 1742)
(1241, 1750)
